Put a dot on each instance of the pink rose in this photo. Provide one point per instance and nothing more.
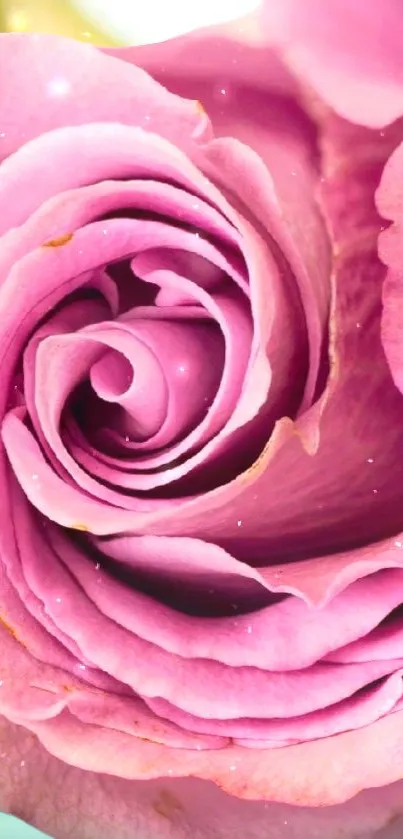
(201, 423)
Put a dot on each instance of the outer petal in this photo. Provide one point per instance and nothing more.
(214, 54)
(318, 773)
(64, 82)
(169, 808)
(348, 51)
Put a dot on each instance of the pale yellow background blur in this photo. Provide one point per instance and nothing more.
(118, 22)
(55, 16)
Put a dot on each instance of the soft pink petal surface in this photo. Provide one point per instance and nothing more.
(31, 780)
(62, 82)
(347, 51)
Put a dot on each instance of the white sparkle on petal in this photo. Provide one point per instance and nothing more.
(370, 459)
(398, 544)
(58, 86)
(239, 523)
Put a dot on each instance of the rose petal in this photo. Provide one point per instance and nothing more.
(359, 710)
(122, 152)
(197, 686)
(167, 807)
(360, 77)
(319, 773)
(64, 82)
